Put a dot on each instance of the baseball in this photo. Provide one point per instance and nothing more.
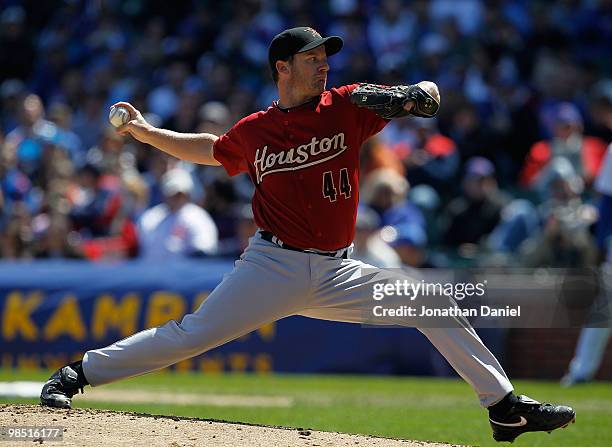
(118, 116)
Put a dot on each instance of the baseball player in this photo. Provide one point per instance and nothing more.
(302, 154)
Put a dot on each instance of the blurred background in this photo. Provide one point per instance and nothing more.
(507, 175)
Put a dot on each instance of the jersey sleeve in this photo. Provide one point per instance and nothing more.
(369, 122)
(229, 151)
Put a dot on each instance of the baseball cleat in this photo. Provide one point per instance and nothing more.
(61, 386)
(527, 415)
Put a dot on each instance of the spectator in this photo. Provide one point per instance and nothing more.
(61, 115)
(409, 241)
(585, 153)
(369, 246)
(221, 197)
(11, 95)
(386, 192)
(104, 231)
(246, 227)
(519, 221)
(52, 239)
(473, 215)
(176, 228)
(26, 139)
(185, 119)
(155, 166)
(473, 136)
(91, 119)
(214, 118)
(468, 16)
(108, 151)
(389, 33)
(429, 157)
(17, 55)
(375, 154)
(94, 206)
(565, 239)
(17, 237)
(428, 202)
(164, 100)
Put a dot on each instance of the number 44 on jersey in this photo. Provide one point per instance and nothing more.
(329, 186)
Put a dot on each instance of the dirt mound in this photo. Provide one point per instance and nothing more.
(112, 428)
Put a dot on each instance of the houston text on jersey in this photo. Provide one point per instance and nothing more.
(299, 157)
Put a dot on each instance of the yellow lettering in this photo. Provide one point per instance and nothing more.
(120, 316)
(164, 306)
(28, 361)
(16, 317)
(185, 365)
(211, 365)
(262, 363)
(67, 319)
(267, 331)
(238, 362)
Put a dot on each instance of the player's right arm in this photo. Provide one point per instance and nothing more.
(193, 147)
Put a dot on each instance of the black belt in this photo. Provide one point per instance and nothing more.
(267, 236)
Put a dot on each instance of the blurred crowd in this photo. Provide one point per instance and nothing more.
(504, 175)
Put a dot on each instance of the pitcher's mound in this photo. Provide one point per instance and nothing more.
(113, 428)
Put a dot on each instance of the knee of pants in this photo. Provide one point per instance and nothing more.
(195, 336)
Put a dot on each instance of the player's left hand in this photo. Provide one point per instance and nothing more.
(431, 88)
(422, 99)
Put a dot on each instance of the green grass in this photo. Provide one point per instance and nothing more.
(398, 407)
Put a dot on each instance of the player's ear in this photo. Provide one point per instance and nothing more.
(282, 67)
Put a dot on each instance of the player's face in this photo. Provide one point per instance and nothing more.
(309, 71)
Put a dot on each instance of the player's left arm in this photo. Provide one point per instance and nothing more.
(422, 99)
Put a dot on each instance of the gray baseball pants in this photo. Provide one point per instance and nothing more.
(269, 283)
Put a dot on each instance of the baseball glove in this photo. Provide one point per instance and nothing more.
(388, 102)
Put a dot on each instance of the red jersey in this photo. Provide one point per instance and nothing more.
(304, 163)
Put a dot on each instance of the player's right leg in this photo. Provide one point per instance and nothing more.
(267, 283)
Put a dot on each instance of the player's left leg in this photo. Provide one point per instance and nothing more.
(343, 291)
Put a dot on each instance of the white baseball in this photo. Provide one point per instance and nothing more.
(118, 116)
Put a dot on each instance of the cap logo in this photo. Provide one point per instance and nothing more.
(312, 31)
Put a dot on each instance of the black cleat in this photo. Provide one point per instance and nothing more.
(529, 415)
(61, 386)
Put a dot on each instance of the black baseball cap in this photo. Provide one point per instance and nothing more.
(297, 40)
